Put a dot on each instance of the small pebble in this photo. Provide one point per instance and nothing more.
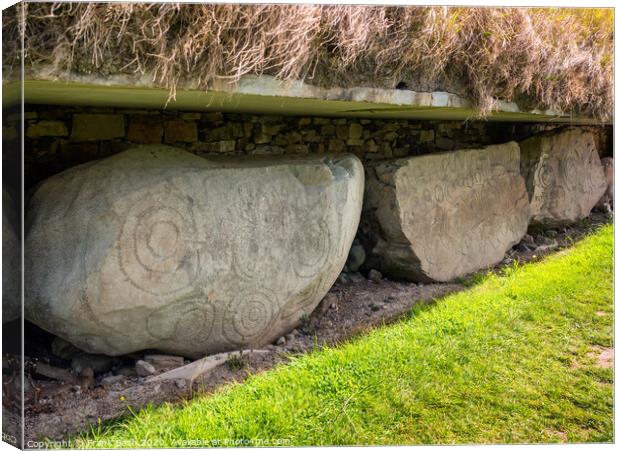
(180, 383)
(111, 380)
(88, 378)
(290, 337)
(281, 341)
(375, 275)
(144, 369)
(97, 362)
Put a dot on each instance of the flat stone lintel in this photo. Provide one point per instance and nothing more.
(266, 95)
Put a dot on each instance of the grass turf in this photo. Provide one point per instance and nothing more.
(509, 360)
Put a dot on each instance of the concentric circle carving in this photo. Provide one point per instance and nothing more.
(189, 320)
(311, 248)
(249, 316)
(156, 248)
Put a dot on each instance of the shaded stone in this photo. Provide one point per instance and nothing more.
(47, 128)
(296, 149)
(97, 362)
(63, 349)
(177, 131)
(11, 261)
(607, 200)
(144, 369)
(229, 131)
(375, 275)
(427, 135)
(190, 116)
(356, 258)
(441, 216)
(9, 133)
(336, 145)
(109, 381)
(145, 131)
(156, 248)
(95, 127)
(220, 146)
(213, 117)
(75, 153)
(356, 131)
(15, 117)
(563, 175)
(355, 142)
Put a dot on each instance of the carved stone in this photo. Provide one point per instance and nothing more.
(563, 175)
(440, 216)
(11, 262)
(156, 248)
(606, 202)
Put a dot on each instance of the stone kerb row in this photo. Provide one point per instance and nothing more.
(157, 276)
(440, 216)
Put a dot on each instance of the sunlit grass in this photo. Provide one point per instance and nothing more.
(509, 360)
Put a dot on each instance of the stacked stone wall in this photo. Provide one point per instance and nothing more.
(57, 138)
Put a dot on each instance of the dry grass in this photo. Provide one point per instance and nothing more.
(549, 58)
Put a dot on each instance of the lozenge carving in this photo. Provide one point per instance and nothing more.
(563, 174)
(440, 216)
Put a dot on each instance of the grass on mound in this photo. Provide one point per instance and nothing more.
(560, 58)
(513, 359)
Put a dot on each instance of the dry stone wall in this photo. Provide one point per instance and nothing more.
(61, 137)
(443, 199)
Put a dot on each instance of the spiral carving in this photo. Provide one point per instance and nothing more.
(303, 301)
(265, 219)
(249, 317)
(195, 317)
(156, 251)
(311, 248)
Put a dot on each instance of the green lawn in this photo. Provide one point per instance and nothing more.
(508, 361)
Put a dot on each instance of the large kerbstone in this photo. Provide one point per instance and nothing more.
(158, 248)
(11, 261)
(439, 216)
(563, 174)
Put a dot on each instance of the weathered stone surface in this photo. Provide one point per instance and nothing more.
(356, 258)
(177, 131)
(47, 128)
(96, 127)
(11, 262)
(607, 200)
(9, 132)
(156, 248)
(563, 175)
(440, 216)
(145, 131)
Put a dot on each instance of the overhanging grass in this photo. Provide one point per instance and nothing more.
(509, 360)
(559, 58)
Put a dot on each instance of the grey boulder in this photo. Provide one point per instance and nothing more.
(156, 248)
(440, 216)
(606, 202)
(563, 174)
(11, 262)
